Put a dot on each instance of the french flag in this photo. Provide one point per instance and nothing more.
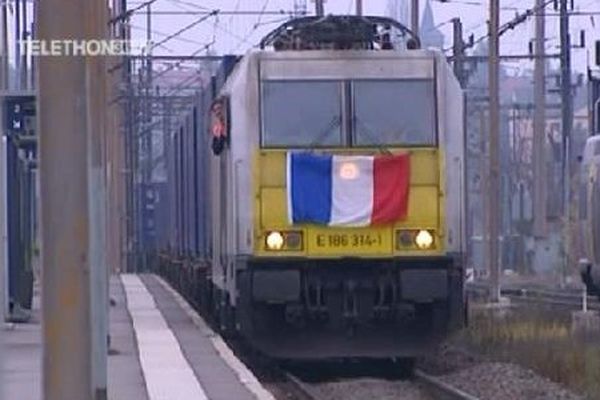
(347, 190)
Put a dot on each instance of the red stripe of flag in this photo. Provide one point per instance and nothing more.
(391, 175)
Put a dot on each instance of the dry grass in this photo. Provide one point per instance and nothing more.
(541, 340)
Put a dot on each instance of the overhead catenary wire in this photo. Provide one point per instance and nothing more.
(517, 20)
(258, 24)
(190, 4)
(484, 22)
(262, 11)
(163, 34)
(508, 26)
(177, 64)
(124, 16)
(236, 8)
(182, 7)
(185, 28)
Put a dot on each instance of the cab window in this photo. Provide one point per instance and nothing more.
(302, 114)
(394, 112)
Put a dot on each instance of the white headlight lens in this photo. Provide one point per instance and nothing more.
(275, 241)
(424, 240)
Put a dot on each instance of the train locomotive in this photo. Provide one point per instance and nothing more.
(589, 215)
(314, 203)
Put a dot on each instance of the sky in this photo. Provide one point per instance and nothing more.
(236, 34)
(225, 34)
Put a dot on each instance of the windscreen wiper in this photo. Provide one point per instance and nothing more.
(373, 138)
(334, 123)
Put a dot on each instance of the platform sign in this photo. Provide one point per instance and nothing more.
(18, 110)
(15, 117)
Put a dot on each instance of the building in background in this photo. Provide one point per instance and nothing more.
(399, 10)
(431, 36)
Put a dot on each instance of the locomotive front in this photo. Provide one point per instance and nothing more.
(338, 210)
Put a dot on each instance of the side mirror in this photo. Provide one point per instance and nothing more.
(219, 125)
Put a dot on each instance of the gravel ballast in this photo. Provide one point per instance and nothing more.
(371, 389)
(503, 381)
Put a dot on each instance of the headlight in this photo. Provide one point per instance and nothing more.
(405, 239)
(284, 241)
(293, 240)
(424, 240)
(275, 241)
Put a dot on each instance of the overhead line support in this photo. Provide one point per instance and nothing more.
(493, 192)
(567, 121)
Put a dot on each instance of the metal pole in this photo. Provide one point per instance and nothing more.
(3, 231)
(4, 50)
(567, 121)
(147, 140)
(319, 8)
(17, 37)
(494, 159)
(119, 205)
(24, 69)
(414, 9)
(458, 51)
(359, 7)
(66, 334)
(95, 84)
(3, 165)
(130, 143)
(485, 181)
(32, 68)
(539, 125)
(138, 120)
(539, 139)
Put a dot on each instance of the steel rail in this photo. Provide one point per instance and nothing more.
(567, 298)
(557, 300)
(302, 391)
(435, 387)
(439, 389)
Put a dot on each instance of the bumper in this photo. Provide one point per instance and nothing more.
(349, 308)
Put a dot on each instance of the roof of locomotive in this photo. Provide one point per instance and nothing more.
(333, 37)
(341, 32)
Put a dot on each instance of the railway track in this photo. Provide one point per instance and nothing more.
(439, 389)
(429, 388)
(569, 299)
(286, 385)
(302, 390)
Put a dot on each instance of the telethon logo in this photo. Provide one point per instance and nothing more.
(83, 48)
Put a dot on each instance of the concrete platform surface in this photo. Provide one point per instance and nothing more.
(160, 350)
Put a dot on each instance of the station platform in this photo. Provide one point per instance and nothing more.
(161, 349)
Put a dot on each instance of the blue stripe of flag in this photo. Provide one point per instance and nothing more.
(311, 182)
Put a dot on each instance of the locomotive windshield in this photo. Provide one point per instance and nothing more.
(359, 113)
(400, 112)
(302, 113)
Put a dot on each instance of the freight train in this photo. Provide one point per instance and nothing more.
(315, 199)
